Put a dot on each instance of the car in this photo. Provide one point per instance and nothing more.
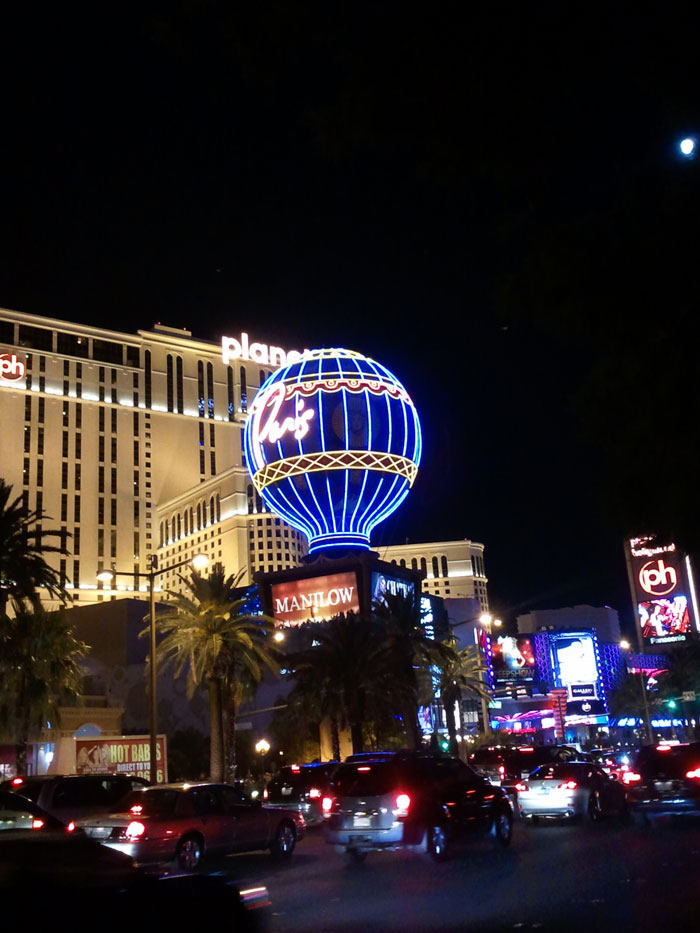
(664, 780)
(570, 790)
(75, 796)
(181, 823)
(615, 762)
(507, 764)
(301, 788)
(57, 869)
(412, 800)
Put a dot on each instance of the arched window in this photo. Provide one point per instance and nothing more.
(251, 500)
(259, 504)
(187, 522)
(445, 572)
(200, 388)
(180, 386)
(436, 572)
(191, 520)
(218, 507)
(231, 397)
(162, 534)
(424, 565)
(244, 391)
(179, 526)
(414, 563)
(210, 391)
(169, 381)
(212, 511)
(199, 517)
(147, 378)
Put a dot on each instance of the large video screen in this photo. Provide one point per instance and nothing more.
(382, 584)
(664, 620)
(576, 669)
(512, 658)
(315, 599)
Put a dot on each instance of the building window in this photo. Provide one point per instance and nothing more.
(169, 381)
(244, 390)
(147, 378)
(210, 390)
(180, 387)
(200, 388)
(231, 397)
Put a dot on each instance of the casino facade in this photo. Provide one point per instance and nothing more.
(131, 445)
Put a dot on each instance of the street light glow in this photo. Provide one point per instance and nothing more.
(687, 146)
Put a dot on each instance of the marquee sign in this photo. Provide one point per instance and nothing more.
(315, 599)
(240, 348)
(662, 590)
(333, 444)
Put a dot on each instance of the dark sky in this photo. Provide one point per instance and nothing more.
(432, 185)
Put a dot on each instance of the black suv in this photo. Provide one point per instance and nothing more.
(301, 788)
(664, 780)
(412, 800)
(75, 796)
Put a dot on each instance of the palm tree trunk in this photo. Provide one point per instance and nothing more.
(230, 742)
(335, 738)
(216, 731)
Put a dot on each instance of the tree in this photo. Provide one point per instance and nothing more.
(409, 654)
(460, 671)
(39, 666)
(210, 633)
(23, 569)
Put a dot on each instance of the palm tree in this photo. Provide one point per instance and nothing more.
(210, 633)
(23, 569)
(339, 675)
(460, 671)
(39, 665)
(409, 656)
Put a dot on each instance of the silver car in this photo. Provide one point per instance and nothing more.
(570, 790)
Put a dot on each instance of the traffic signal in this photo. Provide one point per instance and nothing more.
(445, 744)
(671, 703)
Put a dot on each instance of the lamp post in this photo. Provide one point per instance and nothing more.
(199, 562)
(625, 645)
(262, 748)
(487, 620)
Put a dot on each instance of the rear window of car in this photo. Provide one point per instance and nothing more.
(560, 769)
(372, 778)
(672, 761)
(154, 802)
(28, 788)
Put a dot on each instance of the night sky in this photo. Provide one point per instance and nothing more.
(487, 198)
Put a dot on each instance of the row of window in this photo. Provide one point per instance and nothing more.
(191, 520)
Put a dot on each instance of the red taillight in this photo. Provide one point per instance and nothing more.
(17, 781)
(70, 828)
(520, 786)
(501, 771)
(663, 748)
(314, 793)
(137, 809)
(327, 805)
(403, 802)
(568, 785)
(631, 777)
(134, 830)
(265, 794)
(37, 823)
(693, 774)
(295, 768)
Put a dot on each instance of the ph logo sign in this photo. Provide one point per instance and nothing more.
(11, 367)
(657, 579)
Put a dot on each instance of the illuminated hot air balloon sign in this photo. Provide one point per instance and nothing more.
(333, 444)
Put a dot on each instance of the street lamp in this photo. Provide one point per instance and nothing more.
(199, 562)
(262, 748)
(488, 621)
(625, 645)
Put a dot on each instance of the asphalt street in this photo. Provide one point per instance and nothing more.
(588, 877)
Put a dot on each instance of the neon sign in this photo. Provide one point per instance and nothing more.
(657, 579)
(333, 444)
(233, 348)
(11, 367)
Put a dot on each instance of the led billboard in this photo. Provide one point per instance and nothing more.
(381, 584)
(575, 665)
(315, 599)
(662, 589)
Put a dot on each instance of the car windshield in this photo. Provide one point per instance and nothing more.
(153, 802)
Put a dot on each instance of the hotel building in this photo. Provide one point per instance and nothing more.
(130, 445)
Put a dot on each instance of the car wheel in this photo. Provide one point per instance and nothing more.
(594, 808)
(437, 842)
(285, 840)
(503, 828)
(188, 856)
(356, 855)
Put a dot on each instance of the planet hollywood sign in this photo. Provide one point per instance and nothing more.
(240, 348)
(11, 367)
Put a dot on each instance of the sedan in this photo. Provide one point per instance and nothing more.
(571, 790)
(183, 822)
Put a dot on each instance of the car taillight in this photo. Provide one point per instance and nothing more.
(568, 785)
(327, 805)
(501, 771)
(17, 781)
(403, 802)
(693, 774)
(631, 777)
(37, 823)
(137, 809)
(314, 793)
(134, 830)
(70, 828)
(265, 794)
(521, 786)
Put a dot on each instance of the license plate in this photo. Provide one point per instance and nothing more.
(362, 822)
(286, 791)
(543, 790)
(99, 832)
